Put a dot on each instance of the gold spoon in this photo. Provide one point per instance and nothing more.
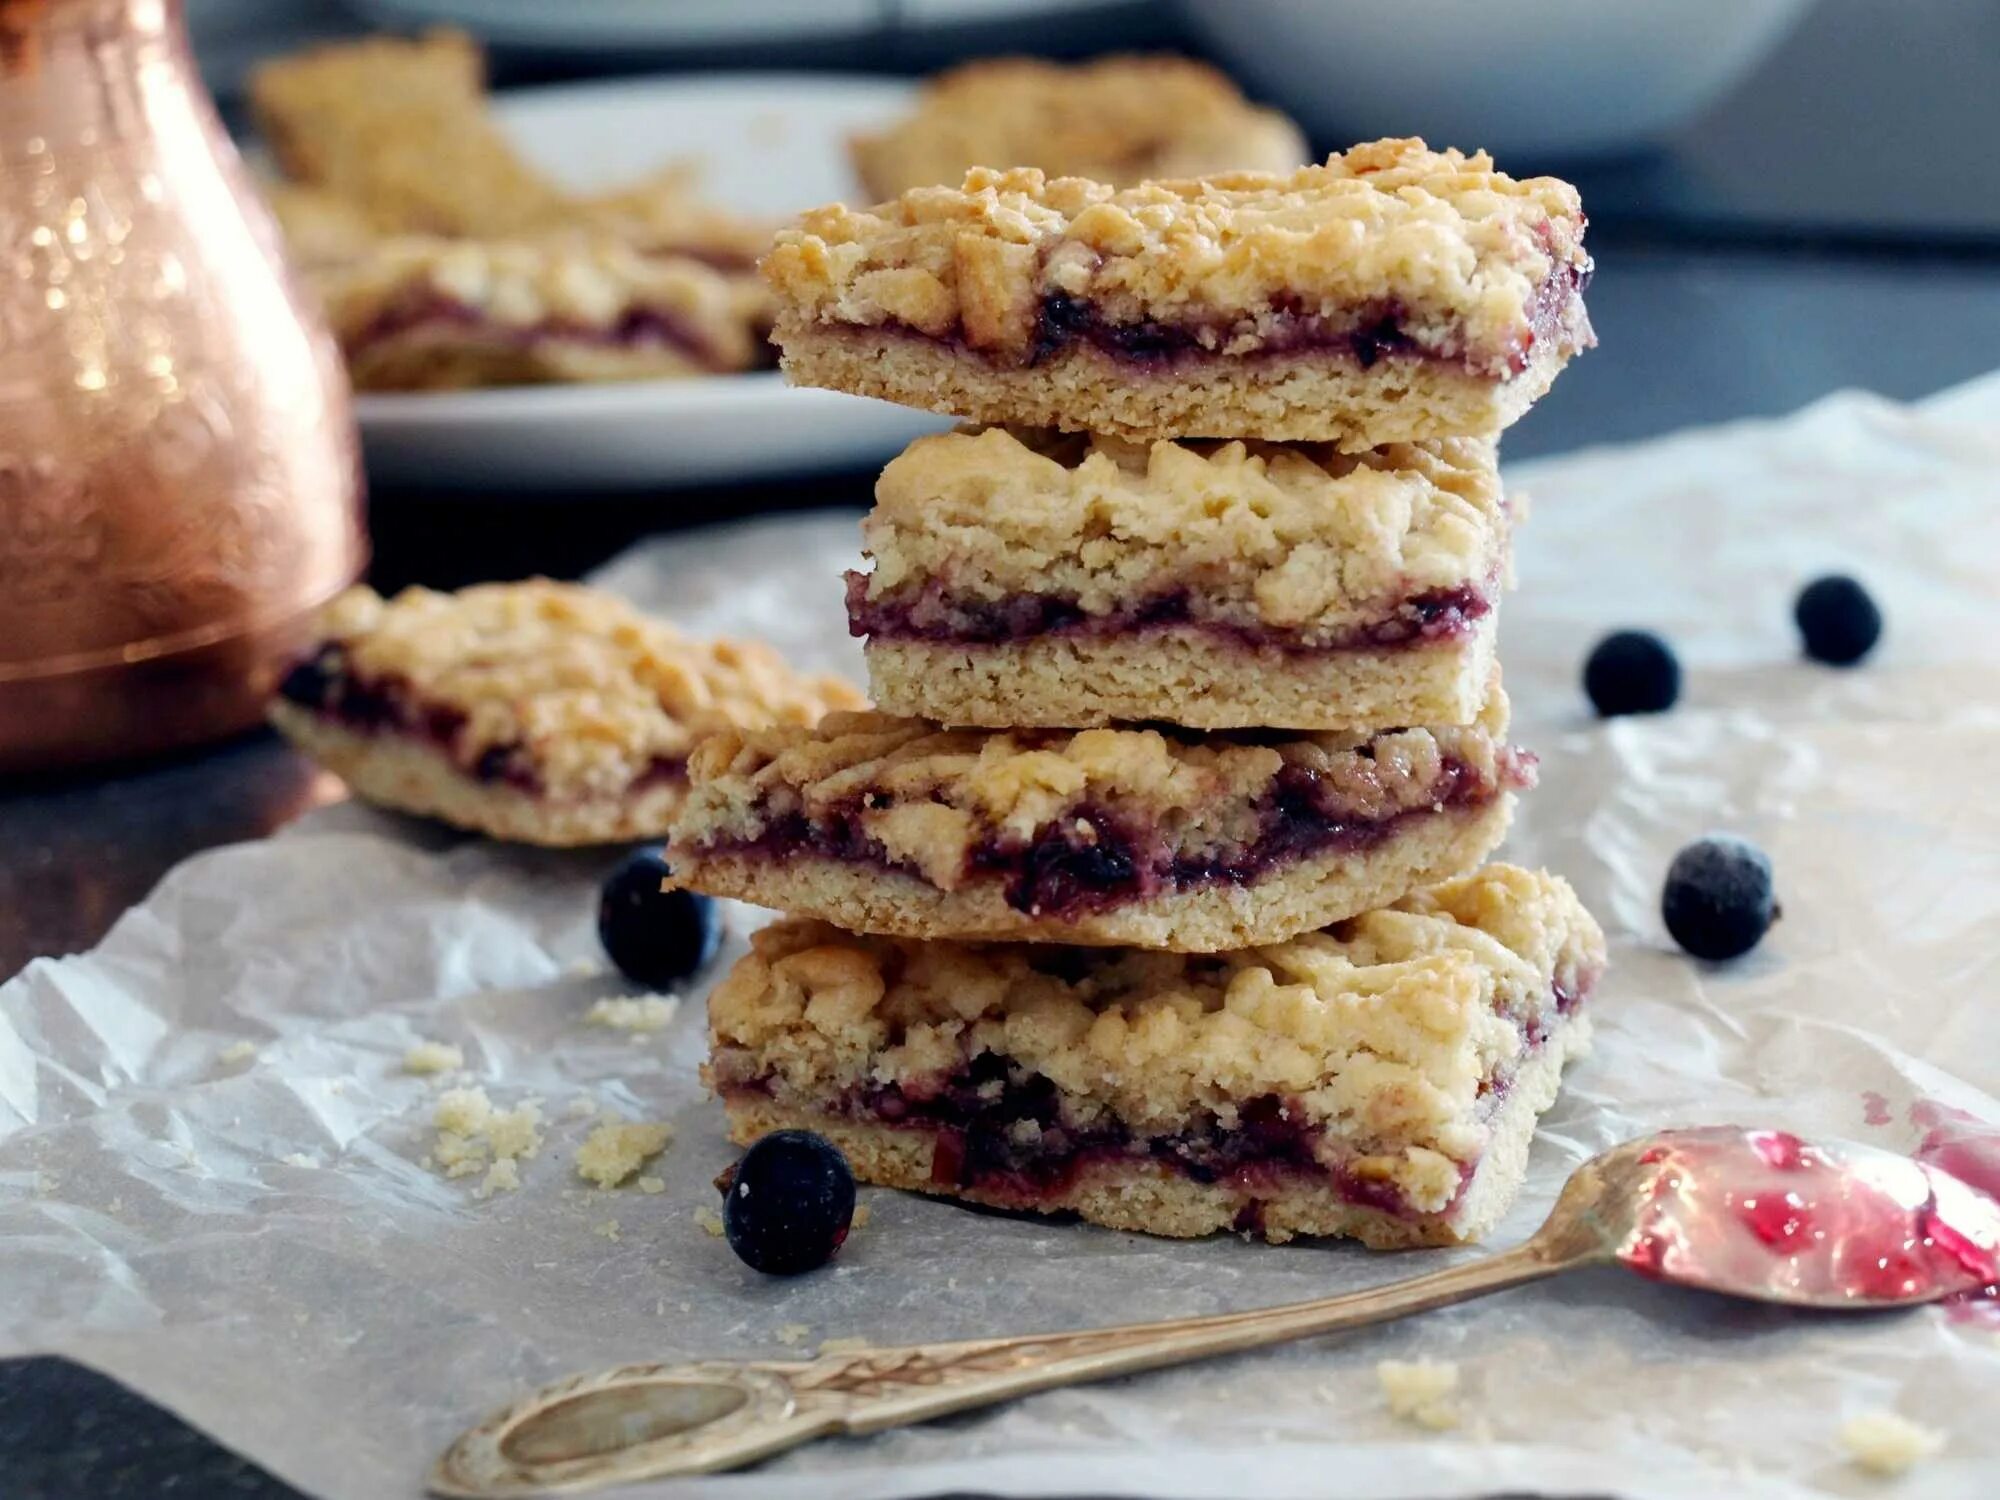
(1758, 1214)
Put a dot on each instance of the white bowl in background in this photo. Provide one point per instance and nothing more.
(1526, 78)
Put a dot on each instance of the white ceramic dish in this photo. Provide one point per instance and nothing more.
(1532, 78)
(769, 144)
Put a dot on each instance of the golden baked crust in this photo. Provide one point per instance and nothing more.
(419, 313)
(1119, 120)
(577, 692)
(398, 127)
(1187, 677)
(1463, 256)
(1297, 539)
(1386, 1035)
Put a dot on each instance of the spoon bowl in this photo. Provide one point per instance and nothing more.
(1759, 1214)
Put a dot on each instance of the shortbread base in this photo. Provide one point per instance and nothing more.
(1422, 849)
(411, 776)
(1182, 676)
(1150, 1199)
(1298, 397)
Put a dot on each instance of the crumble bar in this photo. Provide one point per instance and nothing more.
(1380, 1079)
(426, 314)
(1140, 836)
(541, 712)
(399, 128)
(1392, 294)
(1032, 578)
(1119, 120)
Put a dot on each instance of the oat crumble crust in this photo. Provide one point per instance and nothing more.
(929, 795)
(1295, 537)
(1461, 251)
(1380, 1031)
(419, 313)
(398, 126)
(594, 693)
(1120, 119)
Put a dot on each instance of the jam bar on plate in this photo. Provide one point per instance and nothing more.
(1380, 1079)
(1392, 294)
(1119, 120)
(540, 712)
(1153, 837)
(421, 314)
(1032, 578)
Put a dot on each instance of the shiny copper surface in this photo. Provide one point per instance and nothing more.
(179, 482)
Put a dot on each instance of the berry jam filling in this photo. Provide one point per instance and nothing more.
(1363, 336)
(323, 684)
(1437, 617)
(1094, 857)
(636, 328)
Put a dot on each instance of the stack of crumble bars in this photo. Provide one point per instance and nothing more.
(1153, 890)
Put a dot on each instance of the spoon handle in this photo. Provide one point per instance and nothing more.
(652, 1421)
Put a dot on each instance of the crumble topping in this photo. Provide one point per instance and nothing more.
(1420, 1391)
(398, 127)
(1382, 1030)
(929, 796)
(578, 288)
(1118, 119)
(587, 691)
(1886, 1443)
(433, 1057)
(1459, 253)
(473, 1136)
(644, 1013)
(1290, 536)
(614, 1152)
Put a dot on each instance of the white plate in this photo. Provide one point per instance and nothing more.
(769, 144)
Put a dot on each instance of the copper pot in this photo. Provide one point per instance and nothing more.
(179, 480)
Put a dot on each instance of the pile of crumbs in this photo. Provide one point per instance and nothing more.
(615, 1151)
(1884, 1443)
(1420, 1391)
(433, 1057)
(473, 1136)
(646, 1013)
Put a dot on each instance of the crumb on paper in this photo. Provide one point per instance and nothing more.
(659, 1307)
(583, 968)
(1420, 1390)
(116, 1205)
(793, 1333)
(709, 1220)
(503, 1176)
(640, 1015)
(861, 1217)
(475, 1137)
(235, 1053)
(842, 1346)
(1885, 1443)
(583, 1106)
(650, 1185)
(608, 1229)
(299, 1159)
(615, 1151)
(426, 1058)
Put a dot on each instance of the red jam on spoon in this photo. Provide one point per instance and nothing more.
(1730, 1208)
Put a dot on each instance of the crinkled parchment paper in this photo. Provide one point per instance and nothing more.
(253, 1241)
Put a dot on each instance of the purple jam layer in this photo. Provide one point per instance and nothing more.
(323, 684)
(1002, 1131)
(1064, 870)
(1438, 617)
(1363, 336)
(636, 328)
